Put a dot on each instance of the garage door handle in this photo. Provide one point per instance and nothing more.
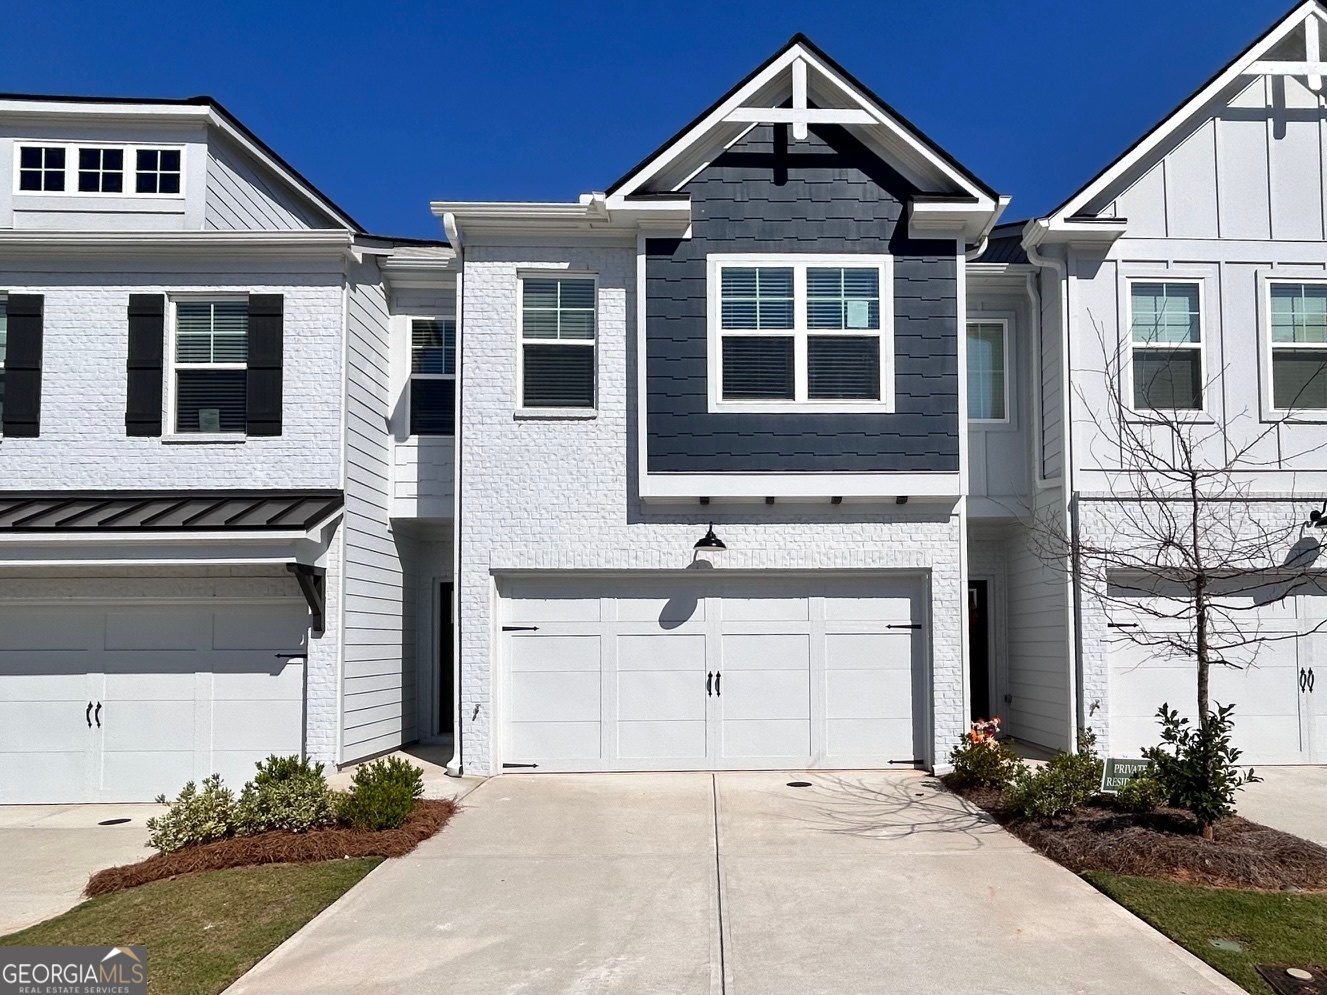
(88, 714)
(709, 684)
(717, 677)
(97, 715)
(1310, 680)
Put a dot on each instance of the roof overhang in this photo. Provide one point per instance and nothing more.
(590, 217)
(1250, 62)
(177, 244)
(968, 219)
(1089, 233)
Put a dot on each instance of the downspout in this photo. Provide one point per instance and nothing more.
(1070, 506)
(456, 765)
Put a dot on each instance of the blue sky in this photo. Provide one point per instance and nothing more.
(387, 106)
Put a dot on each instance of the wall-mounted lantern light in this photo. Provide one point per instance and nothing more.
(709, 542)
(1318, 516)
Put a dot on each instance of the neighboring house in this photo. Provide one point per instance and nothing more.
(1199, 257)
(745, 453)
(196, 567)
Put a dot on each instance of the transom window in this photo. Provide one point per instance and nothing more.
(157, 171)
(101, 170)
(432, 376)
(988, 373)
(211, 363)
(41, 168)
(807, 331)
(1165, 337)
(1299, 346)
(557, 342)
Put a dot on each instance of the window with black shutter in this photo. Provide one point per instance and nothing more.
(211, 366)
(557, 342)
(21, 336)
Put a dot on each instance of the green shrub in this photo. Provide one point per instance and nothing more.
(1196, 768)
(287, 793)
(983, 764)
(382, 794)
(1065, 782)
(194, 817)
(1141, 793)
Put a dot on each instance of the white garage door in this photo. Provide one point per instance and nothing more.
(1272, 689)
(124, 702)
(686, 672)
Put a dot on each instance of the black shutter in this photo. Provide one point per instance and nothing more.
(147, 345)
(265, 348)
(22, 397)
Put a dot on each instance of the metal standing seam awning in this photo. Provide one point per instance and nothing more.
(45, 527)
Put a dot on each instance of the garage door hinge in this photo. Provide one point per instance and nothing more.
(520, 628)
(901, 625)
(1121, 625)
(519, 765)
(912, 763)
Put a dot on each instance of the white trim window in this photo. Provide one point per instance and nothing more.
(988, 370)
(100, 170)
(804, 332)
(41, 168)
(209, 374)
(557, 342)
(157, 171)
(1298, 322)
(432, 376)
(1166, 365)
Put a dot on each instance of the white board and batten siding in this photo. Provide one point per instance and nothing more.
(241, 197)
(653, 672)
(373, 690)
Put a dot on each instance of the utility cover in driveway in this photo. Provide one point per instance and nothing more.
(682, 671)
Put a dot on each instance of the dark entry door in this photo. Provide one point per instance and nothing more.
(446, 647)
(979, 650)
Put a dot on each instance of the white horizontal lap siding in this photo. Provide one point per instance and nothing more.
(372, 686)
(85, 339)
(240, 198)
(556, 495)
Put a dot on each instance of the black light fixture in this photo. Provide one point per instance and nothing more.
(1318, 516)
(709, 541)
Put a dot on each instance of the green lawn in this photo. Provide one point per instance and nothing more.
(1276, 928)
(203, 931)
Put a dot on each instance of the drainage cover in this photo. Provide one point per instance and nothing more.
(1287, 979)
(1232, 945)
(799, 784)
(112, 822)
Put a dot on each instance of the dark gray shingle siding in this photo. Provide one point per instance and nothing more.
(826, 195)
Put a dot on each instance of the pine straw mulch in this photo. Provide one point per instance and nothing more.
(1165, 844)
(280, 847)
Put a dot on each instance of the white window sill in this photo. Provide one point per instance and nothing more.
(205, 438)
(1180, 417)
(555, 414)
(801, 408)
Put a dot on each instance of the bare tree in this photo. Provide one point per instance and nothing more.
(1192, 546)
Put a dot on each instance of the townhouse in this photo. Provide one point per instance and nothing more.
(736, 463)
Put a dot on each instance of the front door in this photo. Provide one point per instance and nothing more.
(979, 649)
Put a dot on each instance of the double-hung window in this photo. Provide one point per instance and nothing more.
(432, 376)
(812, 332)
(41, 168)
(557, 342)
(100, 170)
(210, 388)
(1299, 346)
(1166, 347)
(988, 371)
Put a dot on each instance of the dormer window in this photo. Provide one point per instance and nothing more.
(41, 168)
(100, 170)
(158, 171)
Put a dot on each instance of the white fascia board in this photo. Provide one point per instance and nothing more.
(874, 117)
(1100, 233)
(183, 547)
(613, 217)
(1155, 138)
(880, 486)
(177, 243)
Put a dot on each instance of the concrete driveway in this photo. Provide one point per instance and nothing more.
(725, 884)
(1292, 799)
(48, 852)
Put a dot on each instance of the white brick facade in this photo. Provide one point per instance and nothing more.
(559, 494)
